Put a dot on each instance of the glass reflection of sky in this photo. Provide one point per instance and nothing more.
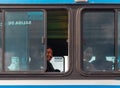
(35, 15)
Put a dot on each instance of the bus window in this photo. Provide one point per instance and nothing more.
(119, 40)
(57, 35)
(24, 49)
(98, 40)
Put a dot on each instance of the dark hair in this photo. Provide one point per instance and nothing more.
(49, 47)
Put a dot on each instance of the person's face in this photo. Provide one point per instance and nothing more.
(88, 53)
(49, 54)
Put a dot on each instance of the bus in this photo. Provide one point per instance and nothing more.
(83, 35)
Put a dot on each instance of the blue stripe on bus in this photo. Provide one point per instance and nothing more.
(104, 1)
(35, 1)
(60, 86)
(53, 1)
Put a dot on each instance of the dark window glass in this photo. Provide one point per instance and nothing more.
(119, 40)
(98, 40)
(24, 49)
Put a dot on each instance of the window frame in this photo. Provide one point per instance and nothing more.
(3, 29)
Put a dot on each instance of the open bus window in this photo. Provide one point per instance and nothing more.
(57, 35)
(24, 49)
(98, 40)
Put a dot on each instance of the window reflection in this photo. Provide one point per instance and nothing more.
(98, 33)
(23, 41)
(119, 39)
